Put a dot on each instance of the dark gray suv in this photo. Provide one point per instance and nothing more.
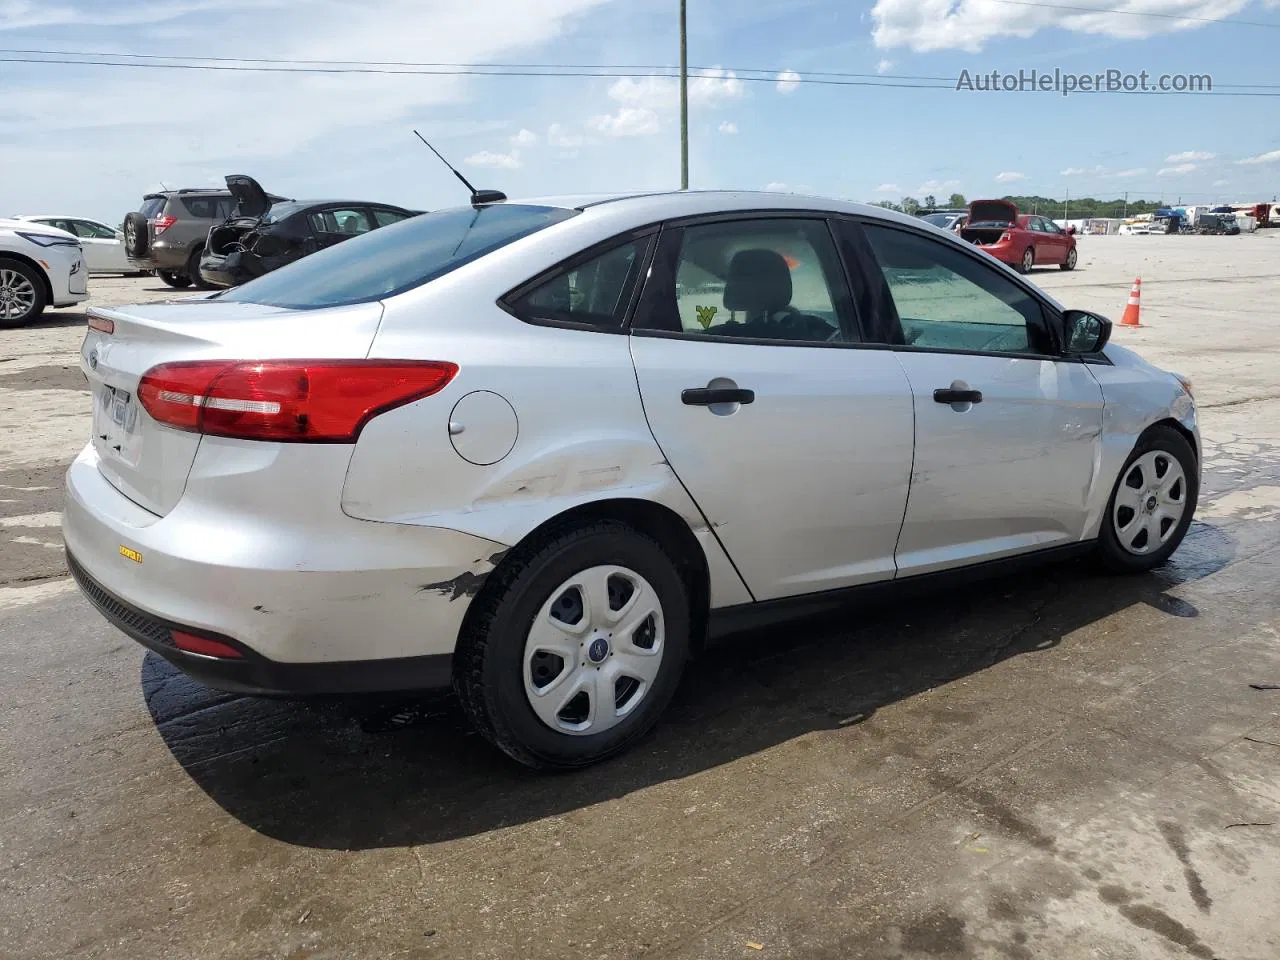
(167, 233)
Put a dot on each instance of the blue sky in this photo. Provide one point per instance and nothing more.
(91, 140)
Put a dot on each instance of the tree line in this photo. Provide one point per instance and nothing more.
(1076, 208)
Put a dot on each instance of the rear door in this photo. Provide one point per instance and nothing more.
(1007, 430)
(793, 435)
(332, 225)
(103, 247)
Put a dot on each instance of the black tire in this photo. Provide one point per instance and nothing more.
(488, 671)
(1070, 262)
(39, 299)
(1111, 553)
(1028, 260)
(178, 281)
(137, 235)
(193, 271)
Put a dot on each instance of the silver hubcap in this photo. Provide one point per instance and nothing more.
(17, 295)
(1028, 260)
(594, 650)
(1150, 502)
(1071, 259)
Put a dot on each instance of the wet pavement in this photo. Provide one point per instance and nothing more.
(1057, 764)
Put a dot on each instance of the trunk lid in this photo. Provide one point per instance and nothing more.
(992, 212)
(251, 199)
(149, 462)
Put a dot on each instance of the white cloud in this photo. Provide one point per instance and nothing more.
(561, 137)
(892, 188)
(775, 186)
(1177, 170)
(1131, 172)
(498, 161)
(937, 186)
(525, 138)
(1189, 156)
(1223, 183)
(884, 66)
(728, 126)
(925, 25)
(1010, 176)
(663, 93)
(1083, 171)
(627, 122)
(1272, 156)
(788, 81)
(361, 121)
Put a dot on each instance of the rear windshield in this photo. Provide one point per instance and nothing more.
(151, 207)
(385, 262)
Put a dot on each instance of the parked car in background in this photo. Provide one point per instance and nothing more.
(1021, 240)
(946, 219)
(168, 232)
(538, 450)
(40, 266)
(103, 246)
(263, 235)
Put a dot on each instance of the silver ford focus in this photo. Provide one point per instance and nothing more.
(538, 450)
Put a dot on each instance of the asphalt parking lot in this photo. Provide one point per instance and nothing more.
(1057, 765)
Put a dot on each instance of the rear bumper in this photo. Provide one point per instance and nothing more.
(317, 602)
(254, 674)
(222, 271)
(167, 256)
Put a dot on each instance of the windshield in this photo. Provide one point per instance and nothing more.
(391, 260)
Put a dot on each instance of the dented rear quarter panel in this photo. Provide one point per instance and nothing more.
(580, 436)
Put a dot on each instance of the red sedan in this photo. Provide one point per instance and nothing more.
(1023, 241)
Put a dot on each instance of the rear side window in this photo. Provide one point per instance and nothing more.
(386, 262)
(151, 207)
(386, 217)
(202, 208)
(594, 293)
(349, 221)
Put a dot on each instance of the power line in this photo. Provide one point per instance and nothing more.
(493, 70)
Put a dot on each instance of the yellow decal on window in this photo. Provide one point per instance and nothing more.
(133, 555)
(706, 315)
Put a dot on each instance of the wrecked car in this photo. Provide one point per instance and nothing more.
(262, 235)
(1022, 241)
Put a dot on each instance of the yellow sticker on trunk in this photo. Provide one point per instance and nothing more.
(133, 555)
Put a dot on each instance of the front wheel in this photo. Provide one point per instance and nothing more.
(1070, 262)
(1152, 504)
(575, 649)
(22, 293)
(1028, 260)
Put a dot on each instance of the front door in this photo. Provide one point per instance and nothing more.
(1007, 431)
(793, 437)
(103, 247)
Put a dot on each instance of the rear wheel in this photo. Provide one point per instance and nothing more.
(1070, 262)
(22, 293)
(1152, 504)
(1028, 260)
(574, 649)
(177, 280)
(193, 270)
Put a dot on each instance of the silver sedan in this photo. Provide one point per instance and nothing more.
(538, 450)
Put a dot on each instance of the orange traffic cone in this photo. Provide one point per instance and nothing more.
(1133, 309)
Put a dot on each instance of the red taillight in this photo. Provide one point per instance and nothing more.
(161, 224)
(317, 401)
(101, 324)
(205, 646)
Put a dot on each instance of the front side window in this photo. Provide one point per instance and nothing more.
(595, 292)
(949, 300)
(386, 262)
(767, 279)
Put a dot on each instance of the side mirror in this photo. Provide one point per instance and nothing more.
(1085, 332)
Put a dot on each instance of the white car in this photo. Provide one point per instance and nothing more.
(39, 267)
(538, 450)
(104, 250)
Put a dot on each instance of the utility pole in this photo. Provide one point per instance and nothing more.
(684, 100)
(1126, 204)
(1065, 202)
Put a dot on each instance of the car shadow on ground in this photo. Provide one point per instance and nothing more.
(370, 773)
